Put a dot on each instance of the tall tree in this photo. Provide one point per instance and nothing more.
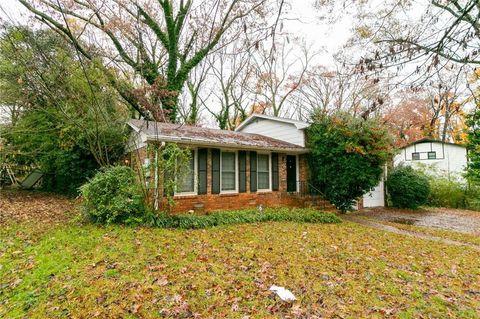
(162, 41)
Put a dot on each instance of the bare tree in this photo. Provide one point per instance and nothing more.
(446, 97)
(231, 74)
(345, 88)
(435, 110)
(449, 29)
(279, 76)
(190, 103)
(160, 41)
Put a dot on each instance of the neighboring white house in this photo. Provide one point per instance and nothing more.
(431, 155)
(375, 198)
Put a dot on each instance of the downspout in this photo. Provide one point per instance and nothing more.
(155, 196)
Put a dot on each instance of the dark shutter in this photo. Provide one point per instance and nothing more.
(275, 177)
(242, 171)
(253, 171)
(215, 171)
(202, 170)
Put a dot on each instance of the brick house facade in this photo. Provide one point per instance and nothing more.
(215, 185)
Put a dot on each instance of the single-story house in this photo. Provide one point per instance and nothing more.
(431, 155)
(263, 162)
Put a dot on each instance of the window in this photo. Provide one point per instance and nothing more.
(228, 166)
(432, 155)
(263, 171)
(415, 156)
(187, 184)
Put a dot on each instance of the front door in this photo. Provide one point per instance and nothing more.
(291, 173)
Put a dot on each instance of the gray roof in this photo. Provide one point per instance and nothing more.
(201, 136)
(431, 140)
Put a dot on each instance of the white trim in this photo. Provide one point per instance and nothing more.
(269, 189)
(233, 191)
(298, 124)
(195, 177)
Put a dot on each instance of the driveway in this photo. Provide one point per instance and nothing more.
(463, 221)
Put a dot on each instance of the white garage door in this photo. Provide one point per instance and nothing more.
(376, 198)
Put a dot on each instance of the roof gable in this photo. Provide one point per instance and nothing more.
(298, 124)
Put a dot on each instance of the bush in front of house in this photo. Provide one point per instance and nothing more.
(473, 196)
(190, 221)
(453, 193)
(407, 188)
(347, 155)
(447, 192)
(113, 195)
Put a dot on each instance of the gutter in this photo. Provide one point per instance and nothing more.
(164, 139)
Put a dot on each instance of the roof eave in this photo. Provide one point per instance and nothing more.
(424, 140)
(225, 145)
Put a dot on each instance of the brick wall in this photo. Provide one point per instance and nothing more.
(211, 202)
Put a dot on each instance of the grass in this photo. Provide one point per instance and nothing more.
(69, 269)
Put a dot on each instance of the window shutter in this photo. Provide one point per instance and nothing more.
(253, 171)
(275, 176)
(215, 171)
(242, 171)
(202, 171)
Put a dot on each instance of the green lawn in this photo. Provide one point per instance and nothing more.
(76, 270)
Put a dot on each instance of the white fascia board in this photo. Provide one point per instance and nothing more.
(299, 125)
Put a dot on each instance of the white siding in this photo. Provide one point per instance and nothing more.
(275, 129)
(375, 198)
(450, 158)
(136, 140)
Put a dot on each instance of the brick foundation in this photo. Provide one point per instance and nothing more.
(235, 201)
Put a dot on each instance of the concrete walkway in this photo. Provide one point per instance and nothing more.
(391, 229)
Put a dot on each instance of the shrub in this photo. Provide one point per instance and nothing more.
(113, 196)
(472, 196)
(407, 188)
(347, 156)
(190, 221)
(446, 192)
